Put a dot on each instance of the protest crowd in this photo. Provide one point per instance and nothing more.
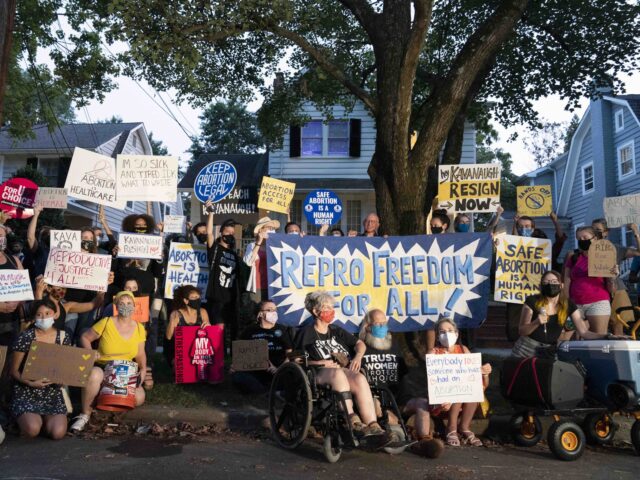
(137, 290)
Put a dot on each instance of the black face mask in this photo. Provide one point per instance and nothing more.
(87, 245)
(550, 290)
(584, 245)
(437, 230)
(195, 304)
(229, 240)
(202, 237)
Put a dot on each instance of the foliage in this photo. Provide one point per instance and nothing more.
(550, 140)
(113, 119)
(570, 131)
(157, 147)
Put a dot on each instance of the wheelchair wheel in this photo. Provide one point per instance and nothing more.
(599, 428)
(290, 404)
(566, 440)
(399, 431)
(526, 430)
(635, 436)
(331, 452)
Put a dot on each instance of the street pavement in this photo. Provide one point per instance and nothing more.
(233, 456)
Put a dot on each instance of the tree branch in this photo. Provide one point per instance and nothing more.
(366, 16)
(554, 34)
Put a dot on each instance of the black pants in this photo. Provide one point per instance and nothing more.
(250, 383)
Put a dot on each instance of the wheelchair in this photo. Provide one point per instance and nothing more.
(297, 404)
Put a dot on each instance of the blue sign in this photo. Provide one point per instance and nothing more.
(322, 207)
(215, 181)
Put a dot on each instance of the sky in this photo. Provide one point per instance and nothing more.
(130, 102)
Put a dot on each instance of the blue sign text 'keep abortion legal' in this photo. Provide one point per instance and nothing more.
(215, 181)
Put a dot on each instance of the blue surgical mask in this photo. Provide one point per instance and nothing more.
(462, 228)
(379, 331)
(525, 232)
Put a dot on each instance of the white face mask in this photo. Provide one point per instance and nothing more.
(271, 317)
(448, 339)
(44, 323)
(293, 233)
(336, 234)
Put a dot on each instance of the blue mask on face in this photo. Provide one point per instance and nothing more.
(379, 331)
(525, 232)
(462, 228)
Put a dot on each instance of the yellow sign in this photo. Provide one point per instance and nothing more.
(520, 264)
(275, 195)
(534, 201)
(469, 188)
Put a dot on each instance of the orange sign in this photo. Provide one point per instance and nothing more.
(141, 313)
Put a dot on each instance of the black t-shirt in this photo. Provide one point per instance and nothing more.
(278, 337)
(223, 266)
(383, 367)
(319, 346)
(554, 329)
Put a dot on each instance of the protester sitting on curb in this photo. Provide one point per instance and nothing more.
(459, 415)
(120, 338)
(330, 350)
(279, 342)
(187, 312)
(37, 404)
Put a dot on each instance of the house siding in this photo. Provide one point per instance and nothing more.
(630, 133)
(12, 164)
(579, 202)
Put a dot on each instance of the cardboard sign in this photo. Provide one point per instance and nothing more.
(534, 201)
(48, 197)
(240, 201)
(173, 224)
(66, 240)
(17, 197)
(602, 258)
(3, 357)
(141, 312)
(92, 177)
(186, 265)
(136, 245)
(199, 357)
(322, 207)
(60, 364)
(250, 355)
(520, 264)
(215, 181)
(454, 378)
(469, 188)
(275, 195)
(84, 271)
(148, 178)
(15, 286)
(620, 211)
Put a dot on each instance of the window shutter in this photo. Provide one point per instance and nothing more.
(63, 169)
(294, 141)
(355, 127)
(32, 162)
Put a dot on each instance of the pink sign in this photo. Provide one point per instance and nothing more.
(199, 354)
(17, 197)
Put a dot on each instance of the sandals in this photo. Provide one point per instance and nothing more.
(452, 439)
(469, 438)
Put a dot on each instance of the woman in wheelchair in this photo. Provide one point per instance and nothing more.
(329, 350)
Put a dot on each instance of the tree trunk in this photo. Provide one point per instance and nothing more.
(7, 16)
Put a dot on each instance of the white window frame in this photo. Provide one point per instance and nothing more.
(325, 139)
(619, 126)
(575, 232)
(593, 178)
(633, 159)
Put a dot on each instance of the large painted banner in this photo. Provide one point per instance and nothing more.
(412, 279)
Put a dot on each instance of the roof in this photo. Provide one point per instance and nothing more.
(250, 167)
(67, 137)
(634, 103)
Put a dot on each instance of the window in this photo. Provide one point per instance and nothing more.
(129, 205)
(311, 139)
(49, 168)
(587, 178)
(354, 215)
(295, 211)
(619, 120)
(626, 160)
(167, 209)
(338, 137)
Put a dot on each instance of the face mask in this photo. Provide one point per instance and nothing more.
(229, 240)
(584, 245)
(448, 339)
(293, 233)
(271, 317)
(269, 232)
(195, 304)
(3, 243)
(140, 230)
(550, 290)
(125, 310)
(327, 316)
(379, 331)
(462, 228)
(87, 245)
(337, 234)
(202, 237)
(525, 232)
(437, 230)
(44, 323)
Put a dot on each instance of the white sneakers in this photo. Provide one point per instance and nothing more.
(79, 423)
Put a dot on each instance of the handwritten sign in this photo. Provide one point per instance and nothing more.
(15, 286)
(48, 197)
(322, 207)
(198, 357)
(215, 181)
(66, 240)
(135, 245)
(141, 312)
(147, 178)
(602, 258)
(240, 201)
(275, 195)
(60, 364)
(520, 264)
(469, 188)
(186, 265)
(620, 211)
(250, 355)
(17, 197)
(454, 378)
(84, 271)
(92, 177)
(173, 224)
(534, 201)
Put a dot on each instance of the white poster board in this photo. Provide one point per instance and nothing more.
(147, 178)
(620, 211)
(173, 224)
(135, 245)
(454, 378)
(48, 197)
(84, 271)
(186, 265)
(66, 240)
(92, 177)
(15, 286)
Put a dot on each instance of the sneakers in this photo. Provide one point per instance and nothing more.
(428, 447)
(79, 423)
(356, 424)
(373, 429)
